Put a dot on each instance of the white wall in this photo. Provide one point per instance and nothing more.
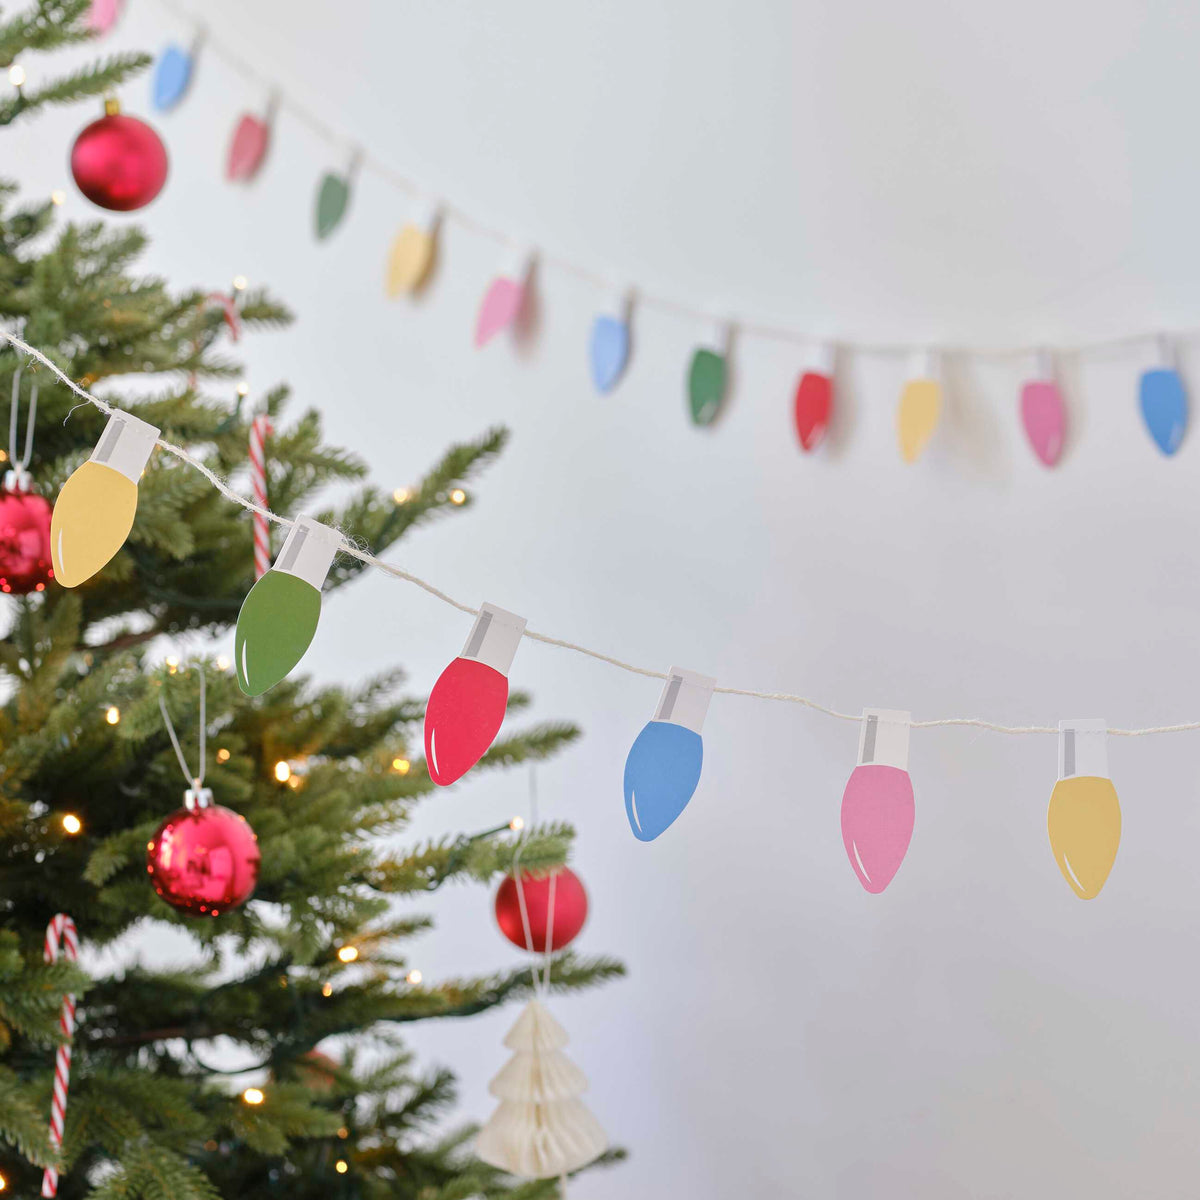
(913, 172)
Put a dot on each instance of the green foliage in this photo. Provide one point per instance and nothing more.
(154, 1112)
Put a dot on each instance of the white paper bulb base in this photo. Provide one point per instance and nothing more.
(541, 1129)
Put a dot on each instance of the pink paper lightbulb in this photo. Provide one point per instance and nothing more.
(878, 809)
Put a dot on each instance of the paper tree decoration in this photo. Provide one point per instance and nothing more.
(505, 297)
(466, 707)
(608, 349)
(814, 399)
(1044, 414)
(664, 763)
(279, 615)
(172, 75)
(708, 378)
(878, 809)
(920, 406)
(413, 250)
(541, 1129)
(94, 511)
(1084, 818)
(1164, 401)
(248, 147)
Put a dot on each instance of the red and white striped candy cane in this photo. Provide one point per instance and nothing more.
(259, 428)
(61, 937)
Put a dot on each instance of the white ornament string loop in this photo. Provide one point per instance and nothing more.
(197, 780)
(20, 464)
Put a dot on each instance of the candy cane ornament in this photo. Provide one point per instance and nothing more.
(61, 938)
(259, 428)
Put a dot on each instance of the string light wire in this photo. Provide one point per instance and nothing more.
(346, 546)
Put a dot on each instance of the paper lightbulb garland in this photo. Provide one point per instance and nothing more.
(1163, 401)
(466, 707)
(664, 763)
(814, 399)
(172, 75)
(920, 406)
(878, 809)
(95, 509)
(333, 199)
(102, 15)
(708, 378)
(248, 147)
(1043, 413)
(1084, 817)
(280, 613)
(505, 298)
(413, 250)
(541, 1129)
(608, 347)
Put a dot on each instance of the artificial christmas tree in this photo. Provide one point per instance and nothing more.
(196, 1083)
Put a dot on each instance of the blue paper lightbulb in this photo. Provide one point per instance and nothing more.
(1164, 401)
(664, 763)
(172, 76)
(608, 350)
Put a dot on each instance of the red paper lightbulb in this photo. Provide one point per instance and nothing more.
(466, 706)
(814, 399)
(878, 810)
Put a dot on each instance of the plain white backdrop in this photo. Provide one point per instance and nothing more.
(923, 173)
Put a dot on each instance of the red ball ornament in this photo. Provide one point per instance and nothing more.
(119, 162)
(204, 858)
(24, 538)
(570, 909)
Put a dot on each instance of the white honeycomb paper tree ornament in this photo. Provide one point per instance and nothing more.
(541, 1128)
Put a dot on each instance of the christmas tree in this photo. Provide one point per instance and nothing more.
(87, 773)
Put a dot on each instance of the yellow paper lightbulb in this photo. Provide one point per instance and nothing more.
(413, 250)
(94, 511)
(1084, 818)
(920, 406)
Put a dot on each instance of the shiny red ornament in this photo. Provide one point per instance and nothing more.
(24, 541)
(119, 162)
(204, 858)
(814, 403)
(570, 909)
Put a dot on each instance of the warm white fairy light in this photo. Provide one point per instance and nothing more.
(253, 1095)
(282, 771)
(348, 954)
(71, 823)
(243, 389)
(223, 663)
(239, 283)
(517, 824)
(16, 75)
(58, 196)
(458, 496)
(414, 977)
(401, 495)
(112, 714)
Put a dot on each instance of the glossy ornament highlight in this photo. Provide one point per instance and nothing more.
(247, 148)
(920, 407)
(1044, 415)
(505, 297)
(118, 162)
(813, 404)
(1163, 400)
(279, 615)
(662, 769)
(466, 707)
(878, 808)
(203, 859)
(561, 891)
(413, 251)
(608, 347)
(1084, 817)
(172, 75)
(95, 509)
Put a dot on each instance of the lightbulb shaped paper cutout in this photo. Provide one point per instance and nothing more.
(663, 767)
(279, 615)
(541, 1129)
(1164, 405)
(413, 250)
(708, 378)
(878, 808)
(1084, 817)
(466, 707)
(813, 403)
(247, 148)
(608, 347)
(94, 511)
(504, 299)
(103, 14)
(1044, 416)
(333, 198)
(920, 407)
(172, 75)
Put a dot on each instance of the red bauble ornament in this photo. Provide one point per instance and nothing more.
(570, 909)
(204, 858)
(24, 539)
(119, 162)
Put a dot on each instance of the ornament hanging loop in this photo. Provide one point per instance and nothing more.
(197, 795)
(18, 476)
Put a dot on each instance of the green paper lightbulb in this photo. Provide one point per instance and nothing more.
(279, 616)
